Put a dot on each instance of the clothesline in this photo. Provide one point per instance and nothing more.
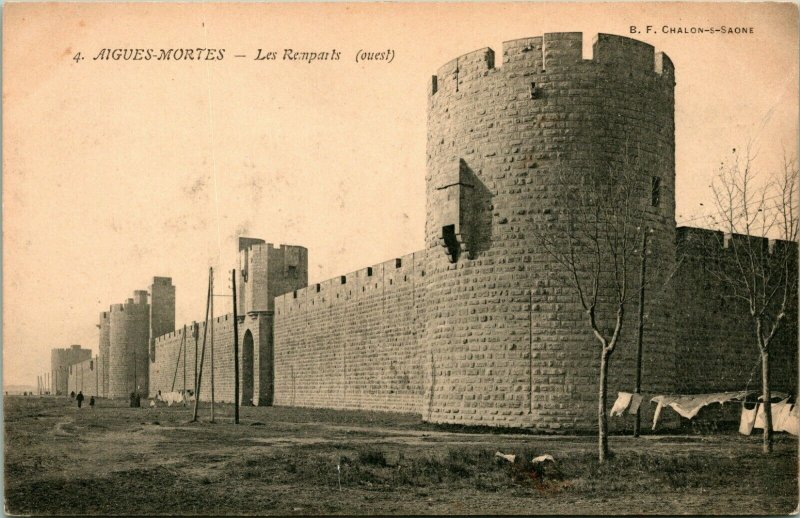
(689, 405)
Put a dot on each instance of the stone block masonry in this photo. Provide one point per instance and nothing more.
(353, 341)
(162, 308)
(60, 362)
(715, 338)
(483, 326)
(88, 377)
(264, 272)
(104, 347)
(128, 350)
(176, 355)
(493, 332)
(510, 343)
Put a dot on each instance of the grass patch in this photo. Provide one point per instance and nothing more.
(372, 457)
(209, 470)
(478, 469)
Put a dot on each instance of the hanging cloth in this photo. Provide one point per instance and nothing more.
(792, 422)
(748, 420)
(622, 402)
(660, 401)
(780, 413)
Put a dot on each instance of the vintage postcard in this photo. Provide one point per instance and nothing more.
(400, 258)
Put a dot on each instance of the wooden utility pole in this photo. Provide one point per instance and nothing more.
(196, 335)
(640, 331)
(178, 361)
(184, 365)
(135, 374)
(211, 294)
(235, 353)
(199, 373)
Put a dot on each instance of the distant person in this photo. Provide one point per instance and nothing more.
(133, 399)
(72, 394)
(79, 398)
(91, 402)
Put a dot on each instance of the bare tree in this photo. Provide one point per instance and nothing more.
(595, 237)
(763, 276)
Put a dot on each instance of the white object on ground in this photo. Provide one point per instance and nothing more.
(508, 457)
(543, 458)
(172, 397)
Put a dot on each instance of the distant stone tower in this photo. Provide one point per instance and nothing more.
(266, 272)
(162, 310)
(128, 347)
(507, 341)
(60, 362)
(104, 348)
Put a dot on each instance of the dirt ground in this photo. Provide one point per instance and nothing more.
(119, 460)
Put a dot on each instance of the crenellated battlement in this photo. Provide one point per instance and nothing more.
(266, 271)
(137, 302)
(554, 52)
(226, 319)
(391, 274)
(499, 135)
(702, 242)
(481, 327)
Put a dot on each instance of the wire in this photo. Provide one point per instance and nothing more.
(211, 137)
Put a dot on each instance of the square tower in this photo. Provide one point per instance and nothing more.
(162, 306)
(266, 272)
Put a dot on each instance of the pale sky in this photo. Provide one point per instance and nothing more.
(118, 171)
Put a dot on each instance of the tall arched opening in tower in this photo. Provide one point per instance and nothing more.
(247, 369)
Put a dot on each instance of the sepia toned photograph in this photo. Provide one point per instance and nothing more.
(400, 258)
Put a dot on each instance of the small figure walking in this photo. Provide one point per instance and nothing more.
(79, 398)
(72, 394)
(91, 402)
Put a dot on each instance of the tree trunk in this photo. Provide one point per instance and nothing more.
(602, 414)
(767, 395)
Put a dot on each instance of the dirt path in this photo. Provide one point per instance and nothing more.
(115, 460)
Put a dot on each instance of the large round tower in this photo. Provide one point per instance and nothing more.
(128, 366)
(508, 341)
